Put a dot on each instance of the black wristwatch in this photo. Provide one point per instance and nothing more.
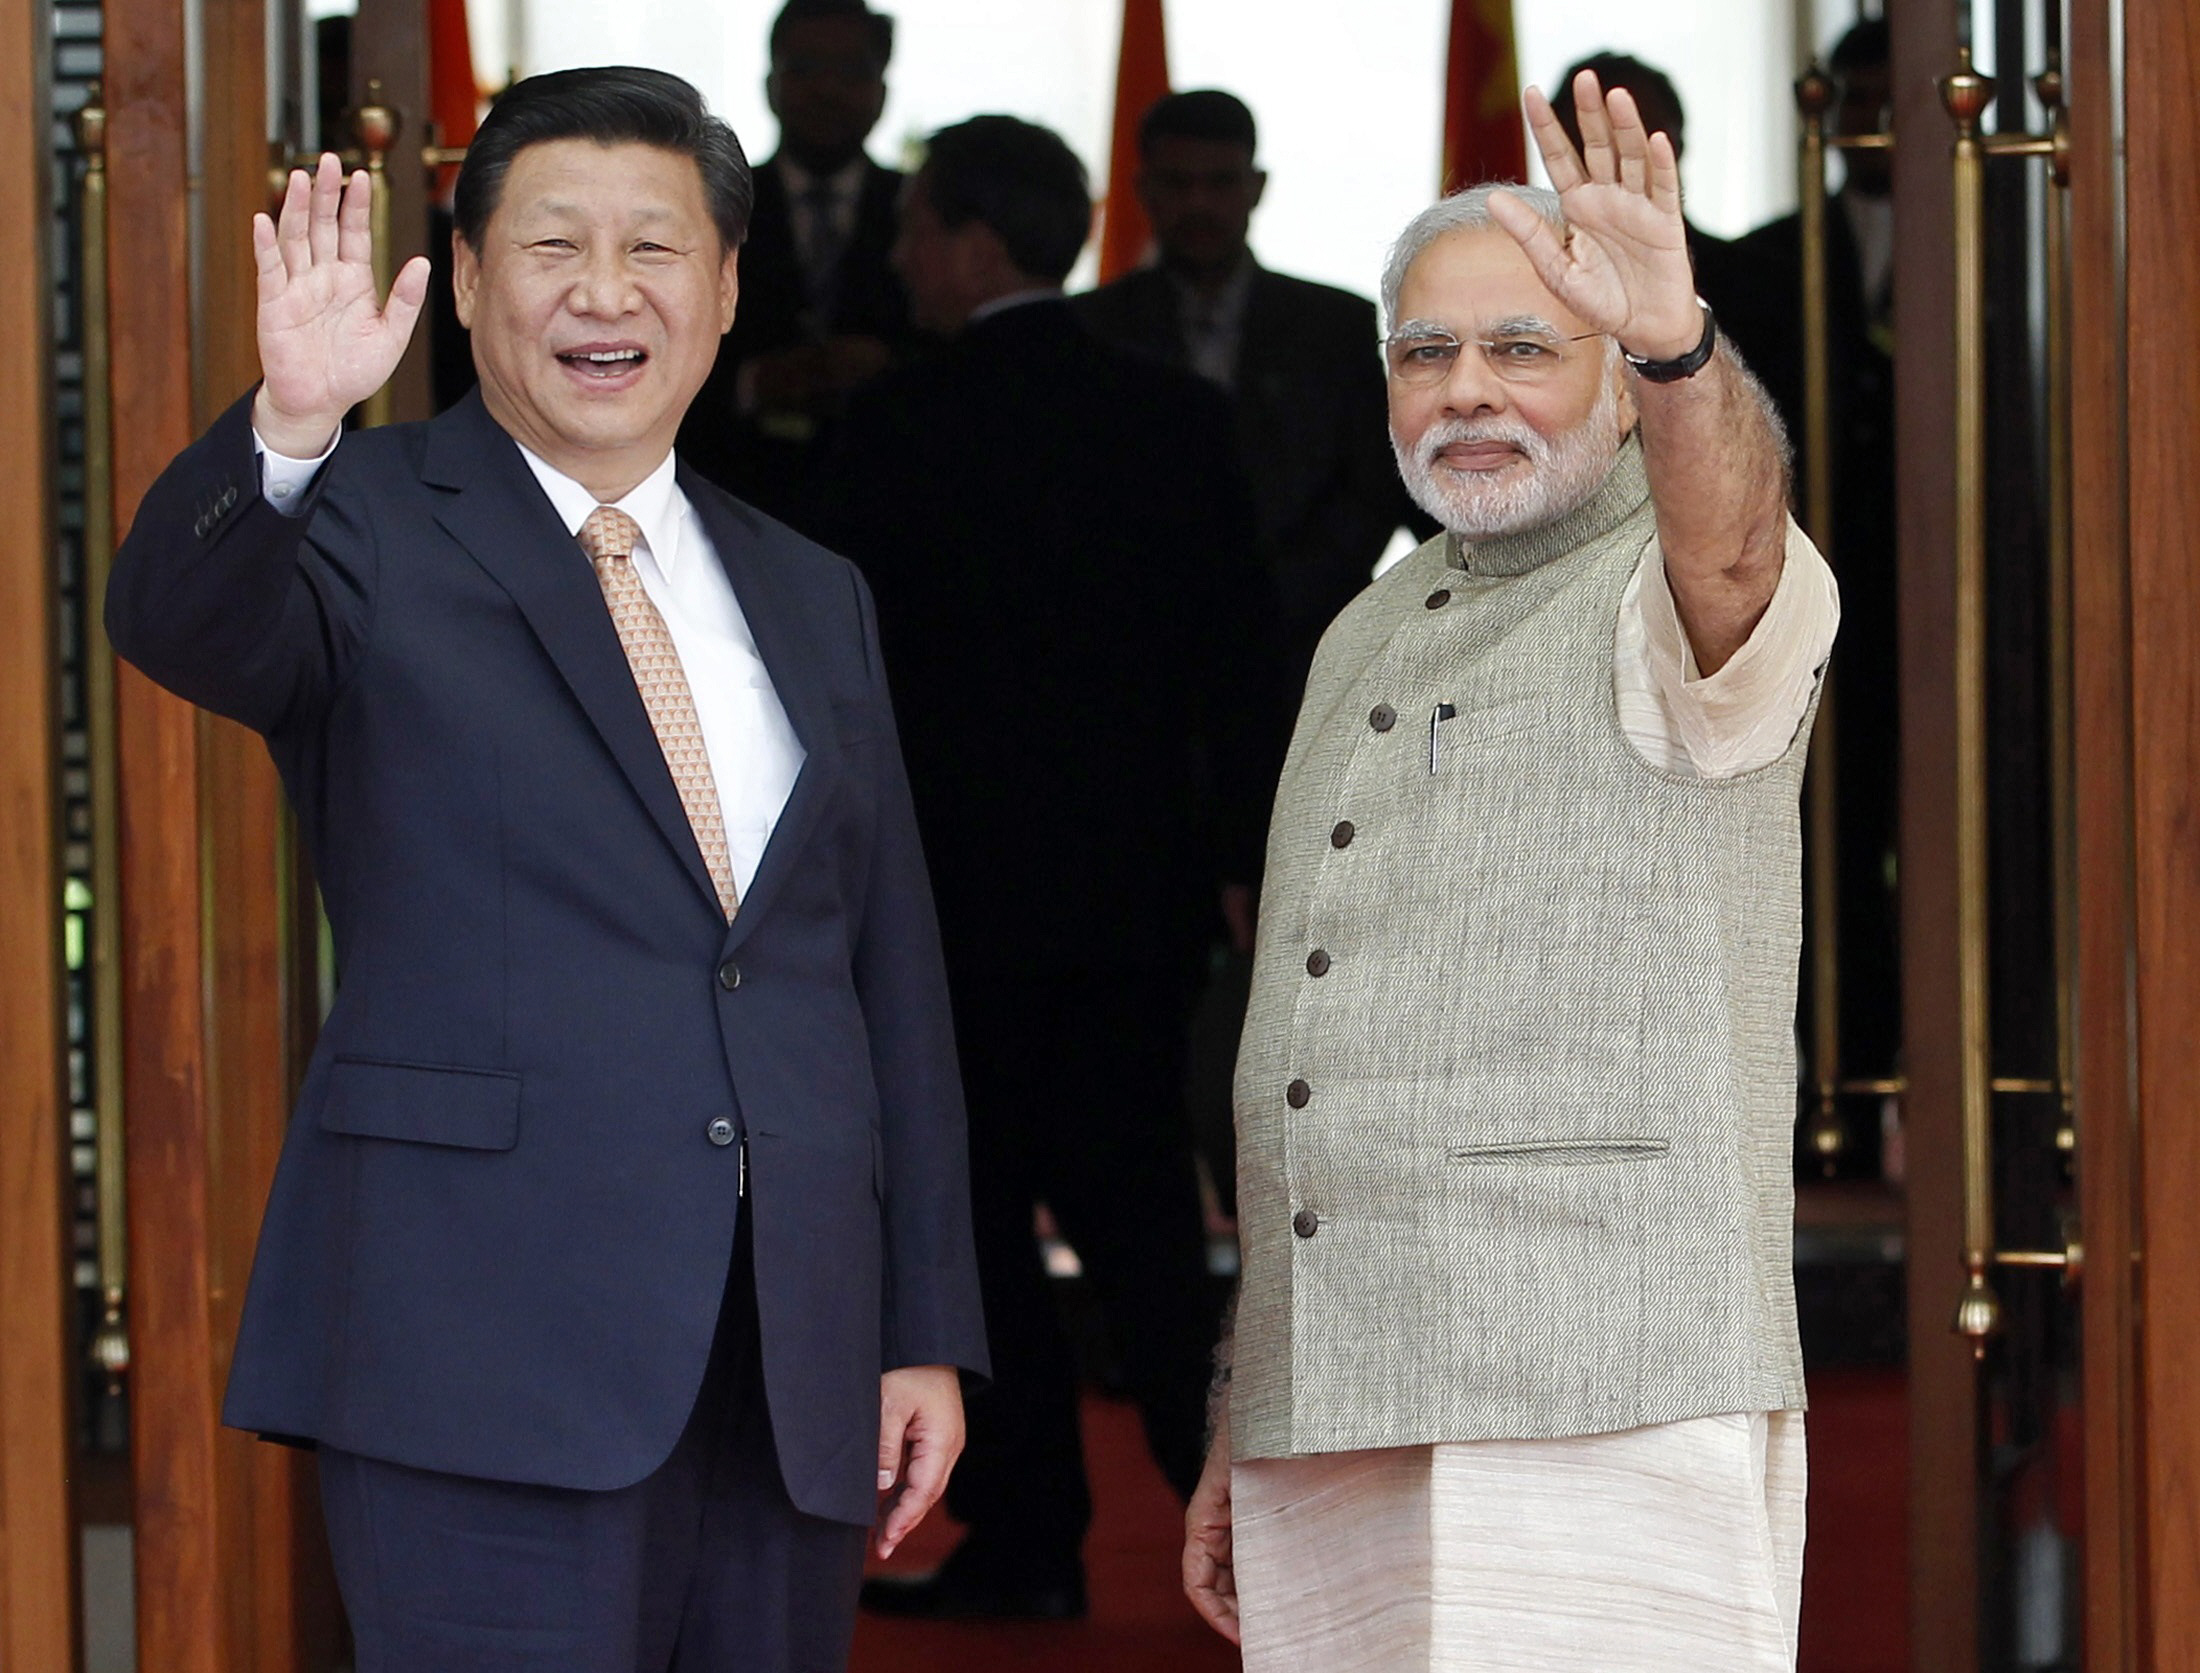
(1689, 364)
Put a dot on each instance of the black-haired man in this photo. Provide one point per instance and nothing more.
(1294, 356)
(1057, 540)
(822, 311)
(639, 982)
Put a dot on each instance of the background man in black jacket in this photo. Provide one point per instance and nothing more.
(1059, 547)
(821, 308)
(1298, 359)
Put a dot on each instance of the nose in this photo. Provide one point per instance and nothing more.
(604, 288)
(1472, 384)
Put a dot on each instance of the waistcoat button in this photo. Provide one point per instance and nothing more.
(1317, 963)
(729, 975)
(1382, 717)
(720, 1132)
(1306, 1222)
(1342, 836)
(1438, 599)
(1297, 1093)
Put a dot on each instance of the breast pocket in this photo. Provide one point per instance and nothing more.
(422, 1103)
(1456, 734)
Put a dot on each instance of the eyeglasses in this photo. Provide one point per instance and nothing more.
(1420, 355)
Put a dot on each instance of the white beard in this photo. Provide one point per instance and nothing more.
(1556, 475)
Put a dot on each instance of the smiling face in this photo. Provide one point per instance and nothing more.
(1487, 454)
(596, 302)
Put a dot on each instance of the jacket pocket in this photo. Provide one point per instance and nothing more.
(1560, 1153)
(422, 1103)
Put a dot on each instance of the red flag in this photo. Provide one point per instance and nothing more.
(454, 97)
(1141, 77)
(1483, 137)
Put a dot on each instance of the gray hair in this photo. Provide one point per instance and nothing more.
(1461, 212)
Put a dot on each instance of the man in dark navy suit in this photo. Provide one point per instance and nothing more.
(822, 310)
(1063, 559)
(620, 1254)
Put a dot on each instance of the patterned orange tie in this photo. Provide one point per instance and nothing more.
(608, 538)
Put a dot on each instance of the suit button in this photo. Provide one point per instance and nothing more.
(1297, 1093)
(721, 1132)
(1342, 836)
(1306, 1222)
(1438, 599)
(1317, 963)
(729, 975)
(1382, 717)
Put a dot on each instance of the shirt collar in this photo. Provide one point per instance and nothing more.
(655, 503)
(845, 181)
(1014, 299)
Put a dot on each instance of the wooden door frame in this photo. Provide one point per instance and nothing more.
(40, 1599)
(2162, 325)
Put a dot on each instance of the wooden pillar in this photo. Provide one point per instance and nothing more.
(2112, 1553)
(1944, 1519)
(38, 1548)
(2162, 200)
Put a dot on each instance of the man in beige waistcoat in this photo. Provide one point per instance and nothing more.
(1515, 1383)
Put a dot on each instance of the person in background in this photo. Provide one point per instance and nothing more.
(1767, 321)
(1297, 359)
(822, 310)
(1073, 620)
(1299, 363)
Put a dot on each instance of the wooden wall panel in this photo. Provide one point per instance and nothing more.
(175, 1440)
(2113, 1568)
(38, 1551)
(1944, 1520)
(2163, 207)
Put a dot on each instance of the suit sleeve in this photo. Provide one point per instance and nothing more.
(232, 604)
(932, 1314)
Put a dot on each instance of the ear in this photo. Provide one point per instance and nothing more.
(465, 278)
(729, 288)
(1260, 186)
(1629, 413)
(771, 93)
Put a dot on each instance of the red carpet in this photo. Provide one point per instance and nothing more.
(1854, 1582)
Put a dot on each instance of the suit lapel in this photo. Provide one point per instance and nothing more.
(496, 510)
(788, 646)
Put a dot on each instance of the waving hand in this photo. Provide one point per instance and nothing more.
(1623, 264)
(326, 343)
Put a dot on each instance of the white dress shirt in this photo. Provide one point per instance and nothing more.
(754, 755)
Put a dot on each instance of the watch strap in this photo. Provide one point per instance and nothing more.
(1689, 364)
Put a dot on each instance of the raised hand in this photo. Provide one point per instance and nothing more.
(326, 343)
(1623, 265)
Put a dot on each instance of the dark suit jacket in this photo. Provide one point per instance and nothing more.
(1059, 544)
(500, 1232)
(737, 453)
(1313, 433)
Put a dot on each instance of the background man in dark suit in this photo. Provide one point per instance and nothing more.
(1059, 547)
(1767, 324)
(619, 1253)
(1299, 360)
(1300, 363)
(822, 310)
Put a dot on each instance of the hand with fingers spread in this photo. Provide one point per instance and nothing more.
(326, 340)
(1623, 264)
(920, 1435)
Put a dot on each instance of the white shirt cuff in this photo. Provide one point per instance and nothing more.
(284, 480)
(1744, 716)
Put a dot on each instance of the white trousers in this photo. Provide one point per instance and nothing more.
(1671, 1549)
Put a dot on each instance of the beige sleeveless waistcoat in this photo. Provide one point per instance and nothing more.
(1517, 1088)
